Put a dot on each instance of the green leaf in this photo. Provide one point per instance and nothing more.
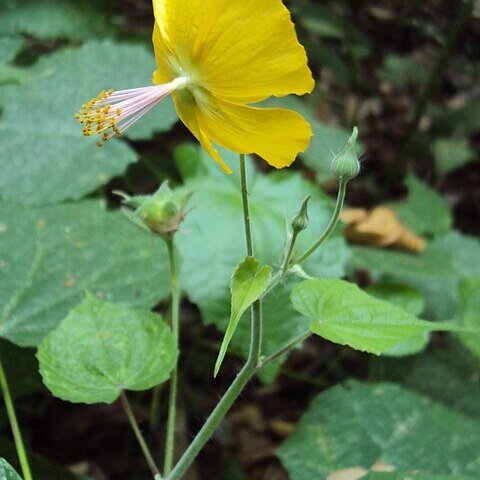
(49, 256)
(274, 200)
(51, 19)
(344, 314)
(9, 47)
(451, 153)
(44, 157)
(100, 349)
(7, 472)
(425, 212)
(372, 427)
(470, 312)
(249, 281)
(410, 300)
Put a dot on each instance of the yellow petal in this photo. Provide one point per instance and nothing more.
(166, 60)
(241, 50)
(275, 134)
(178, 23)
(247, 50)
(187, 111)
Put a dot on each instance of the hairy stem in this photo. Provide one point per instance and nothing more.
(136, 429)
(12, 418)
(172, 400)
(285, 349)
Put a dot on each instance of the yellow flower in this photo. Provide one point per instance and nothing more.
(216, 57)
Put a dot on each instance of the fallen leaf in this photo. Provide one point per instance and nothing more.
(353, 215)
(380, 228)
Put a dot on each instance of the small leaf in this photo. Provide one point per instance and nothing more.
(248, 283)
(100, 349)
(7, 472)
(344, 314)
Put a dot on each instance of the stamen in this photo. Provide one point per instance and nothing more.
(110, 113)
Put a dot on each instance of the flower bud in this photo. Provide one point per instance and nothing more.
(161, 212)
(346, 165)
(300, 220)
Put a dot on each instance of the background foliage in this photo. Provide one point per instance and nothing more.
(405, 74)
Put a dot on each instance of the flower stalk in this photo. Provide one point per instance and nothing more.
(331, 226)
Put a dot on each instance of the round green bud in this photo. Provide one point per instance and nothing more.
(346, 165)
(161, 212)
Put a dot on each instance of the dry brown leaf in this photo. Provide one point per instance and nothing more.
(380, 228)
(353, 215)
(410, 242)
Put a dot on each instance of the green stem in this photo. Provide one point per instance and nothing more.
(246, 208)
(286, 260)
(155, 408)
(136, 429)
(245, 374)
(172, 400)
(12, 418)
(285, 349)
(333, 222)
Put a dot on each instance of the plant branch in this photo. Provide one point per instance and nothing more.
(285, 349)
(333, 222)
(136, 429)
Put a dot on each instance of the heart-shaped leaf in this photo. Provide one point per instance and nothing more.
(100, 349)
